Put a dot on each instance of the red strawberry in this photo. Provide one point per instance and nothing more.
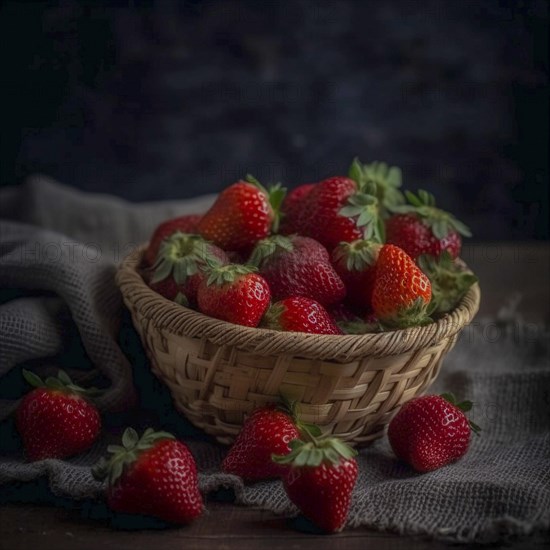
(401, 291)
(431, 431)
(56, 420)
(234, 293)
(292, 208)
(329, 213)
(300, 314)
(177, 270)
(343, 209)
(421, 228)
(183, 224)
(321, 479)
(243, 213)
(154, 475)
(266, 431)
(355, 262)
(298, 266)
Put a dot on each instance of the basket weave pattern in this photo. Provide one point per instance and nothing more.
(349, 385)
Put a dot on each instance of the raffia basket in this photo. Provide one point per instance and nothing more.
(219, 372)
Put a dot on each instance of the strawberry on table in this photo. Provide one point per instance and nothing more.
(234, 293)
(422, 228)
(431, 431)
(336, 210)
(56, 419)
(154, 475)
(320, 480)
(298, 266)
(355, 262)
(402, 292)
(183, 224)
(268, 430)
(243, 213)
(300, 314)
(177, 269)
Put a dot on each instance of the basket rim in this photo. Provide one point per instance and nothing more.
(182, 321)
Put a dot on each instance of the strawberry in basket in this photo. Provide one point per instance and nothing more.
(177, 269)
(234, 293)
(300, 314)
(183, 224)
(422, 228)
(243, 213)
(402, 292)
(298, 266)
(355, 262)
(344, 209)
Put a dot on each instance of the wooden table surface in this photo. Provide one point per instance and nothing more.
(503, 269)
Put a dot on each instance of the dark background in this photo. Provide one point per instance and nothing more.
(174, 99)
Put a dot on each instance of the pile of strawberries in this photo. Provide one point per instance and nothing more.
(345, 255)
(155, 475)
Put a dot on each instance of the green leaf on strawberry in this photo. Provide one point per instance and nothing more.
(385, 179)
(450, 280)
(424, 206)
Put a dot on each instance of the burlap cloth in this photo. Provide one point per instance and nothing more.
(59, 306)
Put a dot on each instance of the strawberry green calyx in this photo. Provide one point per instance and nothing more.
(315, 452)
(275, 195)
(416, 315)
(122, 456)
(224, 274)
(365, 209)
(181, 255)
(464, 406)
(440, 222)
(358, 255)
(450, 281)
(272, 316)
(386, 179)
(61, 383)
(268, 247)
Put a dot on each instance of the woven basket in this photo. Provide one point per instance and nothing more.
(349, 385)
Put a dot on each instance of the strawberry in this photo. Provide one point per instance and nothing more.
(355, 262)
(300, 314)
(421, 228)
(243, 213)
(177, 270)
(401, 291)
(431, 431)
(183, 224)
(297, 266)
(320, 480)
(292, 208)
(154, 475)
(344, 209)
(450, 280)
(234, 293)
(56, 420)
(268, 430)
(335, 211)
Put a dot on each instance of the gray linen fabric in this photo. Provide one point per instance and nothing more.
(57, 259)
